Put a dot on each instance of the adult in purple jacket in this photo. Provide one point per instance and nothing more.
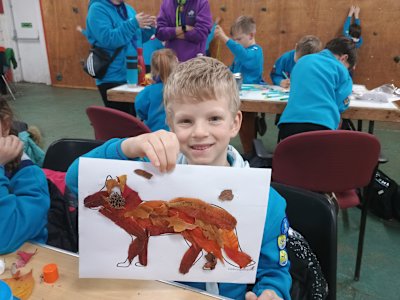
(184, 25)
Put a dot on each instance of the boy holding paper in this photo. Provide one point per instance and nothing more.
(202, 107)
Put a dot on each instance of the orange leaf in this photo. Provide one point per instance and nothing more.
(21, 286)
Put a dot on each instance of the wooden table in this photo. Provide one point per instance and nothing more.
(253, 102)
(69, 286)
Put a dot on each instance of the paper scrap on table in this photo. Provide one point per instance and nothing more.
(104, 245)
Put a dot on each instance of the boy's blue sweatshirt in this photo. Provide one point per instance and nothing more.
(150, 107)
(319, 90)
(248, 61)
(346, 29)
(270, 274)
(285, 63)
(108, 29)
(24, 203)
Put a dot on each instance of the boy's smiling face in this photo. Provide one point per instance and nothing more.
(204, 130)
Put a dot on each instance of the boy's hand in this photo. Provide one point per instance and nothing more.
(285, 83)
(351, 11)
(357, 12)
(10, 148)
(220, 34)
(266, 295)
(160, 147)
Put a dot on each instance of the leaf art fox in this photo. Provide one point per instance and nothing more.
(204, 226)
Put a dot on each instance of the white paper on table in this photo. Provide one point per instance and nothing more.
(102, 244)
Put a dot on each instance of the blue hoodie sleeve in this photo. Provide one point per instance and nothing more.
(202, 26)
(111, 149)
(142, 104)
(343, 91)
(103, 31)
(246, 56)
(346, 27)
(360, 41)
(270, 274)
(24, 203)
(276, 72)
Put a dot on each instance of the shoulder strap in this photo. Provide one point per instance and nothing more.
(116, 52)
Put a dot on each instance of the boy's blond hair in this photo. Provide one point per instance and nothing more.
(308, 44)
(243, 24)
(201, 79)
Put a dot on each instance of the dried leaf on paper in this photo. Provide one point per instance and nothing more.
(226, 195)
(143, 173)
(179, 225)
(21, 286)
(24, 258)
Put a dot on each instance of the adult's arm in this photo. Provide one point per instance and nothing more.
(101, 27)
(202, 26)
(166, 30)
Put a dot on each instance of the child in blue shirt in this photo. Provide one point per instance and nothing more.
(280, 74)
(319, 90)
(353, 31)
(24, 195)
(202, 105)
(149, 102)
(248, 56)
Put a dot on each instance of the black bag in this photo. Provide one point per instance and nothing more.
(308, 281)
(98, 61)
(383, 196)
(62, 222)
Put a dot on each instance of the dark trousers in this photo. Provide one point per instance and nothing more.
(288, 129)
(123, 106)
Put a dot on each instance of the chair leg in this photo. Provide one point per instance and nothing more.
(363, 224)
(8, 87)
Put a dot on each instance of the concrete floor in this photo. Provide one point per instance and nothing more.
(60, 113)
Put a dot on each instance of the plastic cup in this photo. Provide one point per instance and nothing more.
(50, 273)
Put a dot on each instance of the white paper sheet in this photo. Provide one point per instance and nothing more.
(103, 244)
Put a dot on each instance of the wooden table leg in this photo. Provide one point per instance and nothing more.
(248, 131)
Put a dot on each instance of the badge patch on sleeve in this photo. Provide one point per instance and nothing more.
(284, 226)
(282, 241)
(283, 258)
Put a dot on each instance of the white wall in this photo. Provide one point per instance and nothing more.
(28, 43)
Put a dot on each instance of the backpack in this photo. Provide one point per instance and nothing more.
(62, 221)
(308, 281)
(385, 200)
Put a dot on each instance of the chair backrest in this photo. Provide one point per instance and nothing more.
(61, 153)
(326, 160)
(112, 123)
(314, 216)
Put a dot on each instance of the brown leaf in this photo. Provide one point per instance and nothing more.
(226, 195)
(143, 173)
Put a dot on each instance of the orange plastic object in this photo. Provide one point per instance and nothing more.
(50, 273)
